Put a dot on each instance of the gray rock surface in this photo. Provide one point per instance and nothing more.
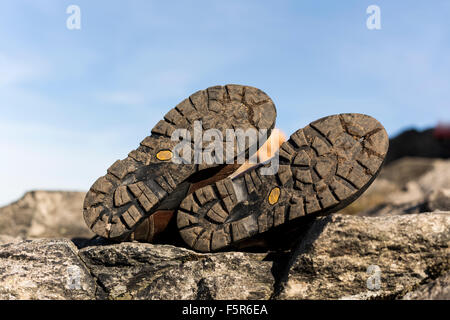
(9, 239)
(407, 169)
(341, 256)
(439, 200)
(44, 269)
(146, 271)
(45, 214)
(438, 289)
(330, 262)
(409, 185)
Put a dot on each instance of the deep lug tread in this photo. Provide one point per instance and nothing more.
(323, 168)
(147, 177)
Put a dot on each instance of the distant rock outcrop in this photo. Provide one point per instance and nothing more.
(413, 143)
(407, 185)
(45, 214)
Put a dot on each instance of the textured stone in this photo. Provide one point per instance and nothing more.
(410, 185)
(45, 214)
(439, 200)
(330, 262)
(333, 260)
(146, 271)
(9, 239)
(44, 269)
(438, 289)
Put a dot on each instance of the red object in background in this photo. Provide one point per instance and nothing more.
(442, 131)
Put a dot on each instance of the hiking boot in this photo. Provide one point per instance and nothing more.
(160, 227)
(149, 179)
(322, 169)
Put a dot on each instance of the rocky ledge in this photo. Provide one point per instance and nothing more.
(44, 214)
(338, 257)
(392, 243)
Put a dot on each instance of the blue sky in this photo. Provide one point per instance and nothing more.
(74, 101)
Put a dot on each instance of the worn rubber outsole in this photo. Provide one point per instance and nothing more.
(323, 168)
(148, 180)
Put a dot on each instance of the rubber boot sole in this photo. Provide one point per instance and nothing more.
(322, 168)
(157, 227)
(147, 179)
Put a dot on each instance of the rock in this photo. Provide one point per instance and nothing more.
(413, 143)
(412, 193)
(399, 186)
(436, 178)
(335, 259)
(394, 209)
(44, 269)
(374, 196)
(439, 200)
(438, 289)
(146, 271)
(425, 193)
(341, 256)
(404, 170)
(45, 214)
(9, 239)
(55, 269)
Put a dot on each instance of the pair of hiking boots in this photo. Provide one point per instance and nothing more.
(207, 206)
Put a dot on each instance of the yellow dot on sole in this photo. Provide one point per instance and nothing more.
(274, 195)
(164, 155)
